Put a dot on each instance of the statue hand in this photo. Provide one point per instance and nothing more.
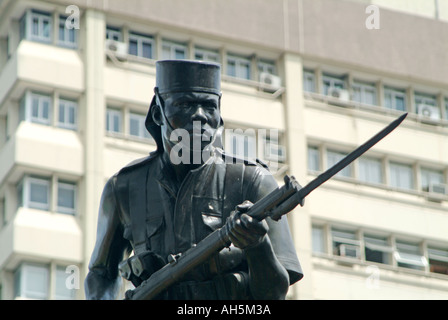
(245, 231)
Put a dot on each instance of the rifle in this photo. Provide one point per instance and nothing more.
(277, 203)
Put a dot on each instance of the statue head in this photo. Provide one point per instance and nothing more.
(187, 97)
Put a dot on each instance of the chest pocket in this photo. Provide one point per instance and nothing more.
(210, 210)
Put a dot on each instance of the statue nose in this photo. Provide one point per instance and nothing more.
(199, 115)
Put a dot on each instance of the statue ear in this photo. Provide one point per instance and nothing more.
(156, 114)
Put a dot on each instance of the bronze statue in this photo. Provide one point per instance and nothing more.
(164, 204)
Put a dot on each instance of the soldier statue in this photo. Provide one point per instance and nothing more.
(167, 202)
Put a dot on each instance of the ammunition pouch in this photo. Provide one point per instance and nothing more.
(140, 267)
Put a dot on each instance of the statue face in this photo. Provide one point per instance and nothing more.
(197, 114)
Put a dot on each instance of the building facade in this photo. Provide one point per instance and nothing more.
(304, 82)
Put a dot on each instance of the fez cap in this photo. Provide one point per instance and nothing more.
(188, 75)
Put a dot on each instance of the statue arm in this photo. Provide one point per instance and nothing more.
(268, 274)
(102, 281)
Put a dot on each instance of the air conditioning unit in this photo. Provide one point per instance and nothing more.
(275, 152)
(437, 192)
(271, 80)
(428, 112)
(341, 94)
(117, 48)
(438, 188)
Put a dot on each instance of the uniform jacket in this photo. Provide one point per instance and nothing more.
(144, 207)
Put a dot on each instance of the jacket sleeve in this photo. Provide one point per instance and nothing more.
(261, 183)
(102, 281)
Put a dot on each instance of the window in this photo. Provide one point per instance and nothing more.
(345, 243)
(36, 26)
(31, 281)
(309, 81)
(430, 177)
(446, 108)
(313, 158)
(241, 145)
(395, 99)
(113, 33)
(141, 45)
(331, 81)
(377, 249)
(426, 105)
(67, 114)
(370, 170)
(408, 256)
(238, 67)
(66, 197)
(265, 66)
(401, 176)
(206, 55)
(34, 193)
(137, 126)
(334, 157)
(318, 239)
(67, 37)
(35, 107)
(113, 120)
(438, 260)
(425, 99)
(173, 50)
(364, 93)
(61, 290)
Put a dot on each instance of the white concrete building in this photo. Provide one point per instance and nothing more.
(306, 81)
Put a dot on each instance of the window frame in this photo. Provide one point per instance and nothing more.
(110, 114)
(141, 39)
(114, 33)
(266, 66)
(394, 93)
(209, 55)
(27, 26)
(65, 42)
(142, 131)
(408, 254)
(330, 81)
(242, 65)
(27, 107)
(363, 88)
(24, 193)
(367, 178)
(71, 187)
(171, 47)
(309, 80)
(21, 277)
(392, 181)
(68, 104)
(239, 150)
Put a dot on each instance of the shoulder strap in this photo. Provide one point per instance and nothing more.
(137, 207)
(233, 188)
